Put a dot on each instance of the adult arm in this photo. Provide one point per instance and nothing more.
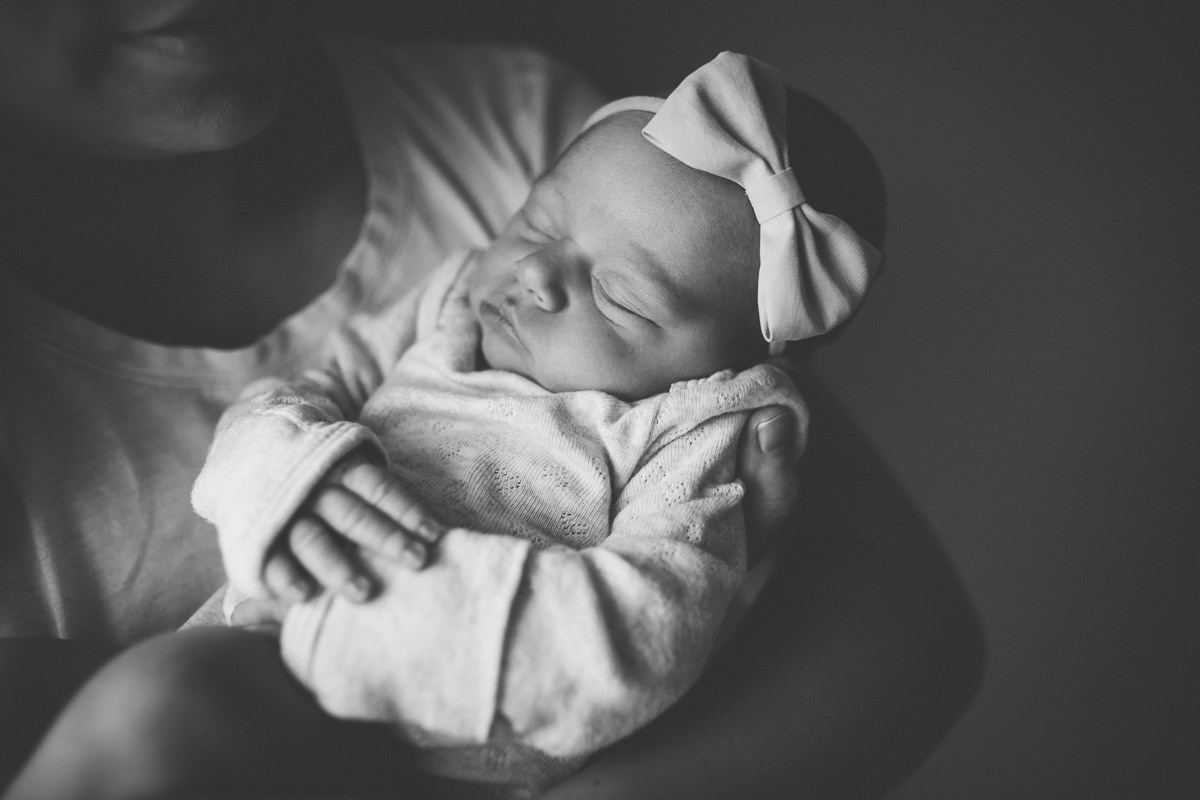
(37, 678)
(859, 656)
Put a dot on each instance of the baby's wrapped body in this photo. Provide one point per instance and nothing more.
(594, 547)
(571, 409)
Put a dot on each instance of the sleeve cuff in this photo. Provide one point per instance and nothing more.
(425, 655)
(252, 492)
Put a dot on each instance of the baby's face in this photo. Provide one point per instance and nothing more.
(625, 271)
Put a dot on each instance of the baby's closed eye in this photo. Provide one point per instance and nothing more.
(607, 302)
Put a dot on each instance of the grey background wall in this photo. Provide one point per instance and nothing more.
(1027, 363)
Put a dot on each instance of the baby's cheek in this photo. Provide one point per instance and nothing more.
(496, 354)
(615, 366)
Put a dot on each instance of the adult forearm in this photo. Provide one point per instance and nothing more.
(37, 678)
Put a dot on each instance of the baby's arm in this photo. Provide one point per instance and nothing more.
(562, 650)
(360, 503)
(289, 472)
(271, 451)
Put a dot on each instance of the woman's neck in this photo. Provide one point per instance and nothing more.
(208, 249)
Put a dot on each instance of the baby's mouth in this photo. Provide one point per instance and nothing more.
(499, 317)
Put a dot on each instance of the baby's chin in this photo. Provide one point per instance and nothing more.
(494, 354)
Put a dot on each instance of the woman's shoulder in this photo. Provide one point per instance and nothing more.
(475, 84)
(457, 132)
(457, 61)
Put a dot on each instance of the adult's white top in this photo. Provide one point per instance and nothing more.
(102, 435)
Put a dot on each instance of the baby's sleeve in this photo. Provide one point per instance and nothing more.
(562, 650)
(281, 437)
(604, 640)
(271, 449)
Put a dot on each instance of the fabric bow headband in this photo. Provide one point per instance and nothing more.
(728, 118)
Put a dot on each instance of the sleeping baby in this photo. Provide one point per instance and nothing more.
(570, 412)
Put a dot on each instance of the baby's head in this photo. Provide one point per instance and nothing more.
(624, 271)
(627, 270)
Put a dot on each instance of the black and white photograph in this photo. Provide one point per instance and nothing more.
(599, 400)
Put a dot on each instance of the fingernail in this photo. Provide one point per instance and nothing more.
(395, 547)
(299, 591)
(359, 589)
(414, 554)
(430, 530)
(774, 434)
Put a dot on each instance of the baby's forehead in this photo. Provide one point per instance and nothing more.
(689, 230)
(613, 163)
(613, 143)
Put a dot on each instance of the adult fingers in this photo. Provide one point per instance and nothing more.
(417, 530)
(318, 548)
(767, 456)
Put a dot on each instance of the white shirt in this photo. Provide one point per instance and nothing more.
(102, 435)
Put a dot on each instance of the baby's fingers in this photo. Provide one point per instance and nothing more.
(381, 490)
(260, 615)
(285, 578)
(318, 549)
(360, 522)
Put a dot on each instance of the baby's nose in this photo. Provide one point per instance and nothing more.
(543, 281)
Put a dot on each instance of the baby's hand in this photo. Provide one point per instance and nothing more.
(260, 615)
(359, 504)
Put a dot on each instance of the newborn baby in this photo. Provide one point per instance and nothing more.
(569, 412)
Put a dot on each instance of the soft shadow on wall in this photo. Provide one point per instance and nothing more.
(1027, 361)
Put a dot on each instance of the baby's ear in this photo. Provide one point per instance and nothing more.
(834, 168)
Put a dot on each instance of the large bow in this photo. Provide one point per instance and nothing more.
(728, 118)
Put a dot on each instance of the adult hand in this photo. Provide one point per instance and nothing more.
(359, 505)
(767, 457)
